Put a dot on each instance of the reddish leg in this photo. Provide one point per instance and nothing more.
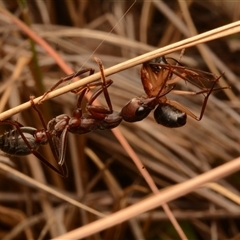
(54, 142)
(188, 112)
(104, 83)
(67, 78)
(99, 111)
(96, 110)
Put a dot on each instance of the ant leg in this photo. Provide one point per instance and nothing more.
(180, 92)
(58, 144)
(187, 111)
(63, 147)
(206, 99)
(11, 122)
(104, 83)
(194, 77)
(57, 155)
(64, 79)
(204, 90)
(81, 92)
(64, 169)
(97, 109)
(81, 96)
(88, 86)
(38, 112)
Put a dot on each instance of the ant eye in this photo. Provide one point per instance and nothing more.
(141, 113)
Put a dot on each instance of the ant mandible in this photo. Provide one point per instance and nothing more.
(26, 140)
(157, 80)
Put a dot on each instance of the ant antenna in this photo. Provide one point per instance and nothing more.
(99, 45)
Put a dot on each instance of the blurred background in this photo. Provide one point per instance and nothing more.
(101, 173)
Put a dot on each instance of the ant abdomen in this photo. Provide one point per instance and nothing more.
(12, 143)
(169, 116)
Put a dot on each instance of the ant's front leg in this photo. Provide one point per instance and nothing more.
(64, 79)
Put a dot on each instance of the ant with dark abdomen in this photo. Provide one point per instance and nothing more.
(26, 140)
(158, 79)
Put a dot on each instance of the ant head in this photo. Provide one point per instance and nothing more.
(154, 63)
(137, 109)
(161, 60)
(169, 116)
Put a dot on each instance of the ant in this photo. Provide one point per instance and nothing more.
(26, 140)
(159, 78)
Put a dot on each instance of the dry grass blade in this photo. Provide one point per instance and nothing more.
(181, 163)
(43, 187)
(152, 202)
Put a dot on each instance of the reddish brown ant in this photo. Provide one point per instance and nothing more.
(159, 78)
(27, 140)
(96, 118)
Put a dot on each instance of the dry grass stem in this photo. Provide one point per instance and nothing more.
(45, 188)
(154, 201)
(113, 174)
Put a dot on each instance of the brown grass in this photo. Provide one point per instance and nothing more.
(106, 173)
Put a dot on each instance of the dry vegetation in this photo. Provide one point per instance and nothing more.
(39, 204)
